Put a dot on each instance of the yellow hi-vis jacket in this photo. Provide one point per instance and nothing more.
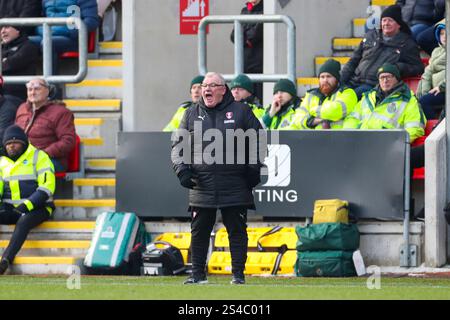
(333, 109)
(400, 110)
(284, 119)
(29, 180)
(174, 123)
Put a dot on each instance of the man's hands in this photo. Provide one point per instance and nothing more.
(21, 209)
(435, 91)
(186, 179)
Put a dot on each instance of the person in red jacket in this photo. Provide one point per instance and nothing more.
(48, 124)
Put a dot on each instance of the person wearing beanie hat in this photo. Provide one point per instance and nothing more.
(391, 43)
(20, 56)
(25, 202)
(196, 94)
(242, 90)
(327, 106)
(280, 114)
(390, 105)
(431, 88)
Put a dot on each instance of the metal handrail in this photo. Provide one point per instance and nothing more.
(47, 48)
(239, 45)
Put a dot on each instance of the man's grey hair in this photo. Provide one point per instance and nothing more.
(216, 74)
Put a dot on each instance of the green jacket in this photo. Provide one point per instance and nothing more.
(255, 105)
(399, 110)
(333, 108)
(284, 119)
(434, 75)
(174, 123)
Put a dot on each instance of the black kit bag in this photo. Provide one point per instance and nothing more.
(162, 259)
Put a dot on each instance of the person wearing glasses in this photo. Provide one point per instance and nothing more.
(216, 181)
(196, 93)
(48, 124)
(390, 105)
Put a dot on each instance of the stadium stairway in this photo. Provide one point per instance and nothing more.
(55, 246)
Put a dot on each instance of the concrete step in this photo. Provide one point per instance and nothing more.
(95, 89)
(51, 247)
(110, 48)
(94, 188)
(319, 61)
(43, 265)
(100, 165)
(93, 105)
(359, 27)
(82, 209)
(104, 69)
(55, 230)
(345, 44)
(305, 84)
(99, 133)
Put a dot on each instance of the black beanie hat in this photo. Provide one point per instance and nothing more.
(389, 68)
(333, 67)
(395, 12)
(285, 85)
(14, 133)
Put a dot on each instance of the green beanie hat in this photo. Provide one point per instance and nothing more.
(285, 85)
(242, 81)
(333, 67)
(389, 68)
(196, 80)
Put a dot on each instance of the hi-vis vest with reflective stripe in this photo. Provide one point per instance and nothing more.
(400, 110)
(334, 108)
(20, 180)
(174, 123)
(282, 121)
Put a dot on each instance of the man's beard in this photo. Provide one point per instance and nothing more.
(326, 89)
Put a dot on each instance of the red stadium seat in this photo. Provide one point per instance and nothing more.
(419, 173)
(92, 42)
(412, 82)
(75, 164)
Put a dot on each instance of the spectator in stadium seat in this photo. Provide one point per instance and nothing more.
(392, 44)
(64, 38)
(25, 202)
(196, 94)
(253, 43)
(327, 106)
(242, 90)
(390, 105)
(19, 57)
(220, 184)
(49, 125)
(8, 109)
(431, 88)
(21, 9)
(421, 15)
(280, 115)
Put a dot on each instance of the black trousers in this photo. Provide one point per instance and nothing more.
(24, 223)
(203, 220)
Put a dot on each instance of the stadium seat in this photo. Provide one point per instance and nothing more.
(75, 164)
(419, 173)
(92, 44)
(412, 82)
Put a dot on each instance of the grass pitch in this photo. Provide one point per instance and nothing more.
(256, 288)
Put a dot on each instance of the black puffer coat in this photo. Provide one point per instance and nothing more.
(373, 51)
(218, 185)
(21, 9)
(253, 41)
(422, 11)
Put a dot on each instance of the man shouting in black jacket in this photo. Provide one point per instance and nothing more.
(219, 177)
